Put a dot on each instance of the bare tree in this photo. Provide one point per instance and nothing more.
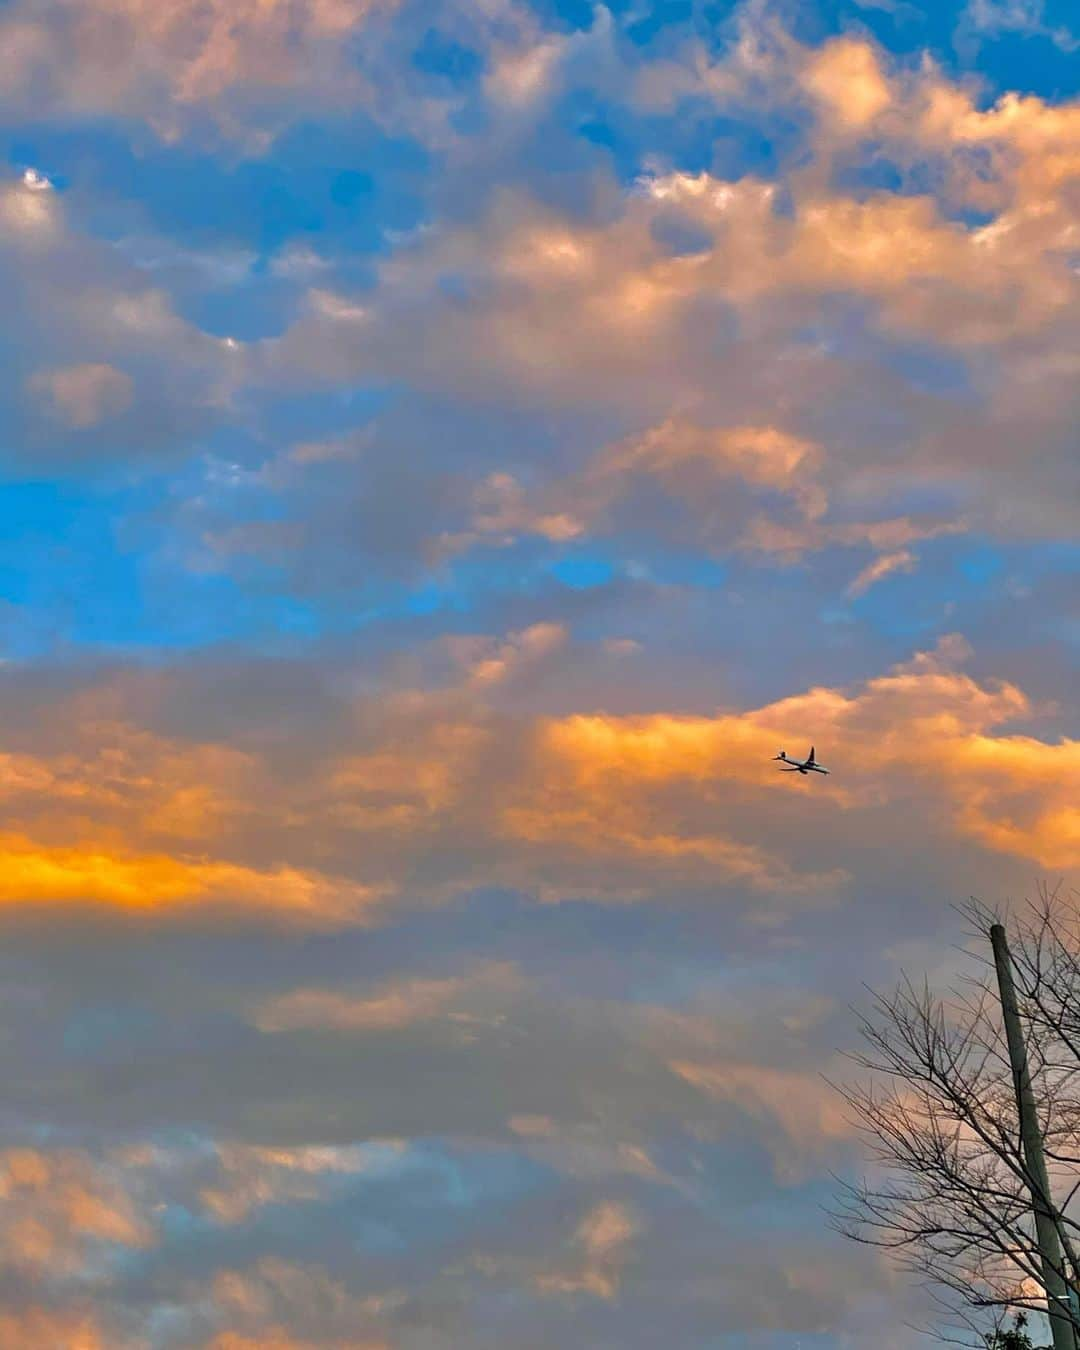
(950, 1189)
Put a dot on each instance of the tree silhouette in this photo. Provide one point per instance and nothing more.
(950, 1189)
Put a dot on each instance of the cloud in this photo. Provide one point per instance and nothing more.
(603, 784)
(903, 560)
(409, 940)
(518, 77)
(260, 1303)
(395, 1006)
(31, 214)
(276, 1338)
(163, 885)
(84, 395)
(56, 1207)
(130, 56)
(756, 490)
(602, 1239)
(582, 1149)
(34, 1327)
(427, 792)
(846, 76)
(804, 1113)
(252, 1176)
(501, 509)
(106, 368)
(522, 299)
(992, 18)
(691, 462)
(619, 280)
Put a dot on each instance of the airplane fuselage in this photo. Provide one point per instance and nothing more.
(803, 766)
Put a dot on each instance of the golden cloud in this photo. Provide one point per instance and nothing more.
(429, 792)
(54, 1204)
(34, 1328)
(33, 874)
(277, 1338)
(599, 783)
(846, 76)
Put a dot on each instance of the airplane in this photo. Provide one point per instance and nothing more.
(807, 765)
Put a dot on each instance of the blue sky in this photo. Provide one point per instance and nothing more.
(448, 449)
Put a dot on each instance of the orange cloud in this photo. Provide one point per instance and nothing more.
(54, 1204)
(600, 784)
(593, 794)
(32, 874)
(601, 1244)
(501, 509)
(1015, 795)
(36, 1328)
(124, 775)
(684, 457)
(903, 560)
(276, 1338)
(429, 792)
(846, 76)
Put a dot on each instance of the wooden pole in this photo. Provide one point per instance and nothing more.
(1050, 1258)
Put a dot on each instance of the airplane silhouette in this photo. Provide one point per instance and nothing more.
(807, 765)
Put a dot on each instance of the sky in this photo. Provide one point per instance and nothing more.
(449, 447)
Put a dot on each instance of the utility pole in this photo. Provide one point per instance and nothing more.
(1050, 1258)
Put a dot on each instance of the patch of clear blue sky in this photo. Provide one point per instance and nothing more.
(583, 571)
(60, 575)
(531, 565)
(338, 185)
(68, 578)
(958, 580)
(441, 56)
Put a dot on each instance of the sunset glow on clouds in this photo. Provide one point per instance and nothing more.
(451, 448)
